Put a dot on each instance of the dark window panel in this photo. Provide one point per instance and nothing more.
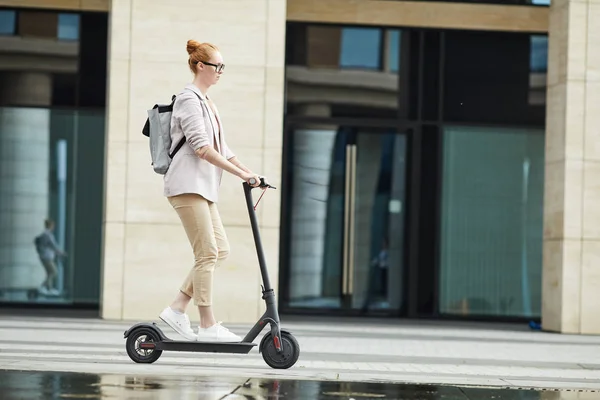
(64, 90)
(41, 24)
(431, 75)
(92, 60)
(411, 77)
(488, 78)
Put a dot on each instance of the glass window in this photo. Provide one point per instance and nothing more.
(334, 71)
(491, 178)
(538, 61)
(74, 73)
(347, 218)
(46, 205)
(538, 65)
(393, 50)
(492, 221)
(361, 48)
(41, 195)
(37, 24)
(8, 21)
(68, 27)
(494, 77)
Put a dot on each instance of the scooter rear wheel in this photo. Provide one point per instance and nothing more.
(135, 352)
(288, 356)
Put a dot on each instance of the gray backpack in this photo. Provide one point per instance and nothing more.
(158, 130)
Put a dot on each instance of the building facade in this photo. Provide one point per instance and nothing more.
(432, 159)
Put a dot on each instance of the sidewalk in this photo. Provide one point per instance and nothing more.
(330, 350)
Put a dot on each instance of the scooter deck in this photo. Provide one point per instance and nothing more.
(203, 347)
(167, 344)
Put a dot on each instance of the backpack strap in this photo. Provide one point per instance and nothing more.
(179, 145)
(182, 141)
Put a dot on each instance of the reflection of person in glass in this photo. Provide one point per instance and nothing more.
(48, 249)
(378, 273)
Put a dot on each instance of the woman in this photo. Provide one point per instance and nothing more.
(191, 185)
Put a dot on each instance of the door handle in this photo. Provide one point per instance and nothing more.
(349, 209)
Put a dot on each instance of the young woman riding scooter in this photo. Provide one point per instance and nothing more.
(191, 185)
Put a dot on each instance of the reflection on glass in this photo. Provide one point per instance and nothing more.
(39, 214)
(37, 385)
(538, 65)
(52, 160)
(538, 61)
(342, 71)
(379, 221)
(316, 218)
(494, 77)
(361, 48)
(393, 50)
(23, 82)
(68, 26)
(8, 19)
(347, 220)
(491, 253)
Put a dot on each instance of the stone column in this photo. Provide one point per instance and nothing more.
(24, 141)
(571, 272)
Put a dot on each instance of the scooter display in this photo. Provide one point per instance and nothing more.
(278, 347)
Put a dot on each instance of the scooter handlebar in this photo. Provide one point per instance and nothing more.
(263, 183)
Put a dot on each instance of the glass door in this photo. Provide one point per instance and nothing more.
(345, 219)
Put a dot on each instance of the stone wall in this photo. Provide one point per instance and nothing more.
(147, 254)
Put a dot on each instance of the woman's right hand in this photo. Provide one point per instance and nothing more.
(248, 176)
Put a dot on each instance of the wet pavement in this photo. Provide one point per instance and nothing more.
(33, 385)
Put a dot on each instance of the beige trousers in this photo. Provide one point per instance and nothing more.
(204, 229)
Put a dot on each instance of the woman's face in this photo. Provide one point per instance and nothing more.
(212, 69)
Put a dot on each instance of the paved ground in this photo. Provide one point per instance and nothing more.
(330, 350)
(42, 385)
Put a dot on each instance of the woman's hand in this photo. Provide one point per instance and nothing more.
(248, 176)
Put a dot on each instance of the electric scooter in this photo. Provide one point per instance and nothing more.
(279, 348)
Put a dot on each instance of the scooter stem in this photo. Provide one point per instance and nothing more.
(259, 249)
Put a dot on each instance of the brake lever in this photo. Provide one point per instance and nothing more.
(266, 184)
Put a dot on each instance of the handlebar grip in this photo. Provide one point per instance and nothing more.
(263, 184)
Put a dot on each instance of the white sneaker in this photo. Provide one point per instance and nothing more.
(179, 322)
(217, 333)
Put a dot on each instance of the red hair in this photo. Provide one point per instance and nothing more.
(199, 52)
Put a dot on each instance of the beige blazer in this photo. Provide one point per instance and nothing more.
(188, 173)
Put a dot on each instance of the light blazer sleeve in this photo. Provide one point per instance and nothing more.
(190, 115)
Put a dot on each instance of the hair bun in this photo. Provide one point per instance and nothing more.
(192, 46)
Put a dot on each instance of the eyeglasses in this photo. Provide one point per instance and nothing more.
(218, 67)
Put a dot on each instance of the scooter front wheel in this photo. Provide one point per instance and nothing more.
(288, 356)
(136, 352)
